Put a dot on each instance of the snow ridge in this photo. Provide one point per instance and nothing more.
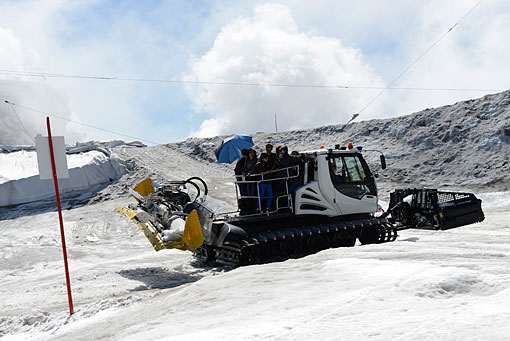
(465, 144)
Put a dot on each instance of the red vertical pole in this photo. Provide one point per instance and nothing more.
(54, 168)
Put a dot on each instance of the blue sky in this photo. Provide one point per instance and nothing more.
(296, 42)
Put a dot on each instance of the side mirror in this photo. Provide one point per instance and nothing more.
(383, 162)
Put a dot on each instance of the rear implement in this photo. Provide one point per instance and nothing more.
(433, 209)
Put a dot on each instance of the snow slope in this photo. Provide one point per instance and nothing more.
(463, 145)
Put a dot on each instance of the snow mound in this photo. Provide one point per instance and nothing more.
(20, 183)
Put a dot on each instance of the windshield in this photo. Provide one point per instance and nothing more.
(350, 177)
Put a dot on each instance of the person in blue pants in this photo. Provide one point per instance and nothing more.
(261, 172)
(263, 188)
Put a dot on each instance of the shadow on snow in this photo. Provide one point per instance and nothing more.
(162, 278)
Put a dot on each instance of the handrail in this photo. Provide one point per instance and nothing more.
(276, 171)
(257, 182)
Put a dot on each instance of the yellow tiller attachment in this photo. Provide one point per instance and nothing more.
(191, 239)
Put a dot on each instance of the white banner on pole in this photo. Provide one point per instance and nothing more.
(42, 147)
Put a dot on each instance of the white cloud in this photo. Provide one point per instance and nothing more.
(10, 51)
(391, 35)
(472, 55)
(19, 125)
(33, 95)
(269, 48)
(99, 39)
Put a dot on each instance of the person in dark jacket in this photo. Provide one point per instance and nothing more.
(284, 161)
(284, 157)
(238, 170)
(273, 158)
(279, 186)
(298, 164)
(250, 162)
(260, 172)
(243, 187)
(251, 187)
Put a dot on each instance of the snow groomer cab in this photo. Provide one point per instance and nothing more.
(325, 182)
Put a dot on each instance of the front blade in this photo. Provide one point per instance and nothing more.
(145, 187)
(193, 236)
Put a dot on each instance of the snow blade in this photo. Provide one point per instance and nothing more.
(193, 236)
(142, 219)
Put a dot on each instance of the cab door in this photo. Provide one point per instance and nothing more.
(355, 190)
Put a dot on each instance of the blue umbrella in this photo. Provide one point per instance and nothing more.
(230, 148)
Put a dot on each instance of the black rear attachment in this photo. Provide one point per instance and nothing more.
(432, 209)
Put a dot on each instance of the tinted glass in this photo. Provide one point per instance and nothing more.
(349, 176)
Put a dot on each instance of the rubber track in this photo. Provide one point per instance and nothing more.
(278, 245)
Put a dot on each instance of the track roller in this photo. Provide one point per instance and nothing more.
(369, 235)
(343, 238)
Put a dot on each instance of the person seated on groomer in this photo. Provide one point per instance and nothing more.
(339, 176)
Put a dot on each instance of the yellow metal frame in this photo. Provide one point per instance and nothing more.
(190, 240)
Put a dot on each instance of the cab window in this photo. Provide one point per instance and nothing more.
(354, 169)
(350, 177)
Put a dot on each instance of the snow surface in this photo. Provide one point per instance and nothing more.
(446, 285)
(449, 284)
(20, 183)
(23, 164)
